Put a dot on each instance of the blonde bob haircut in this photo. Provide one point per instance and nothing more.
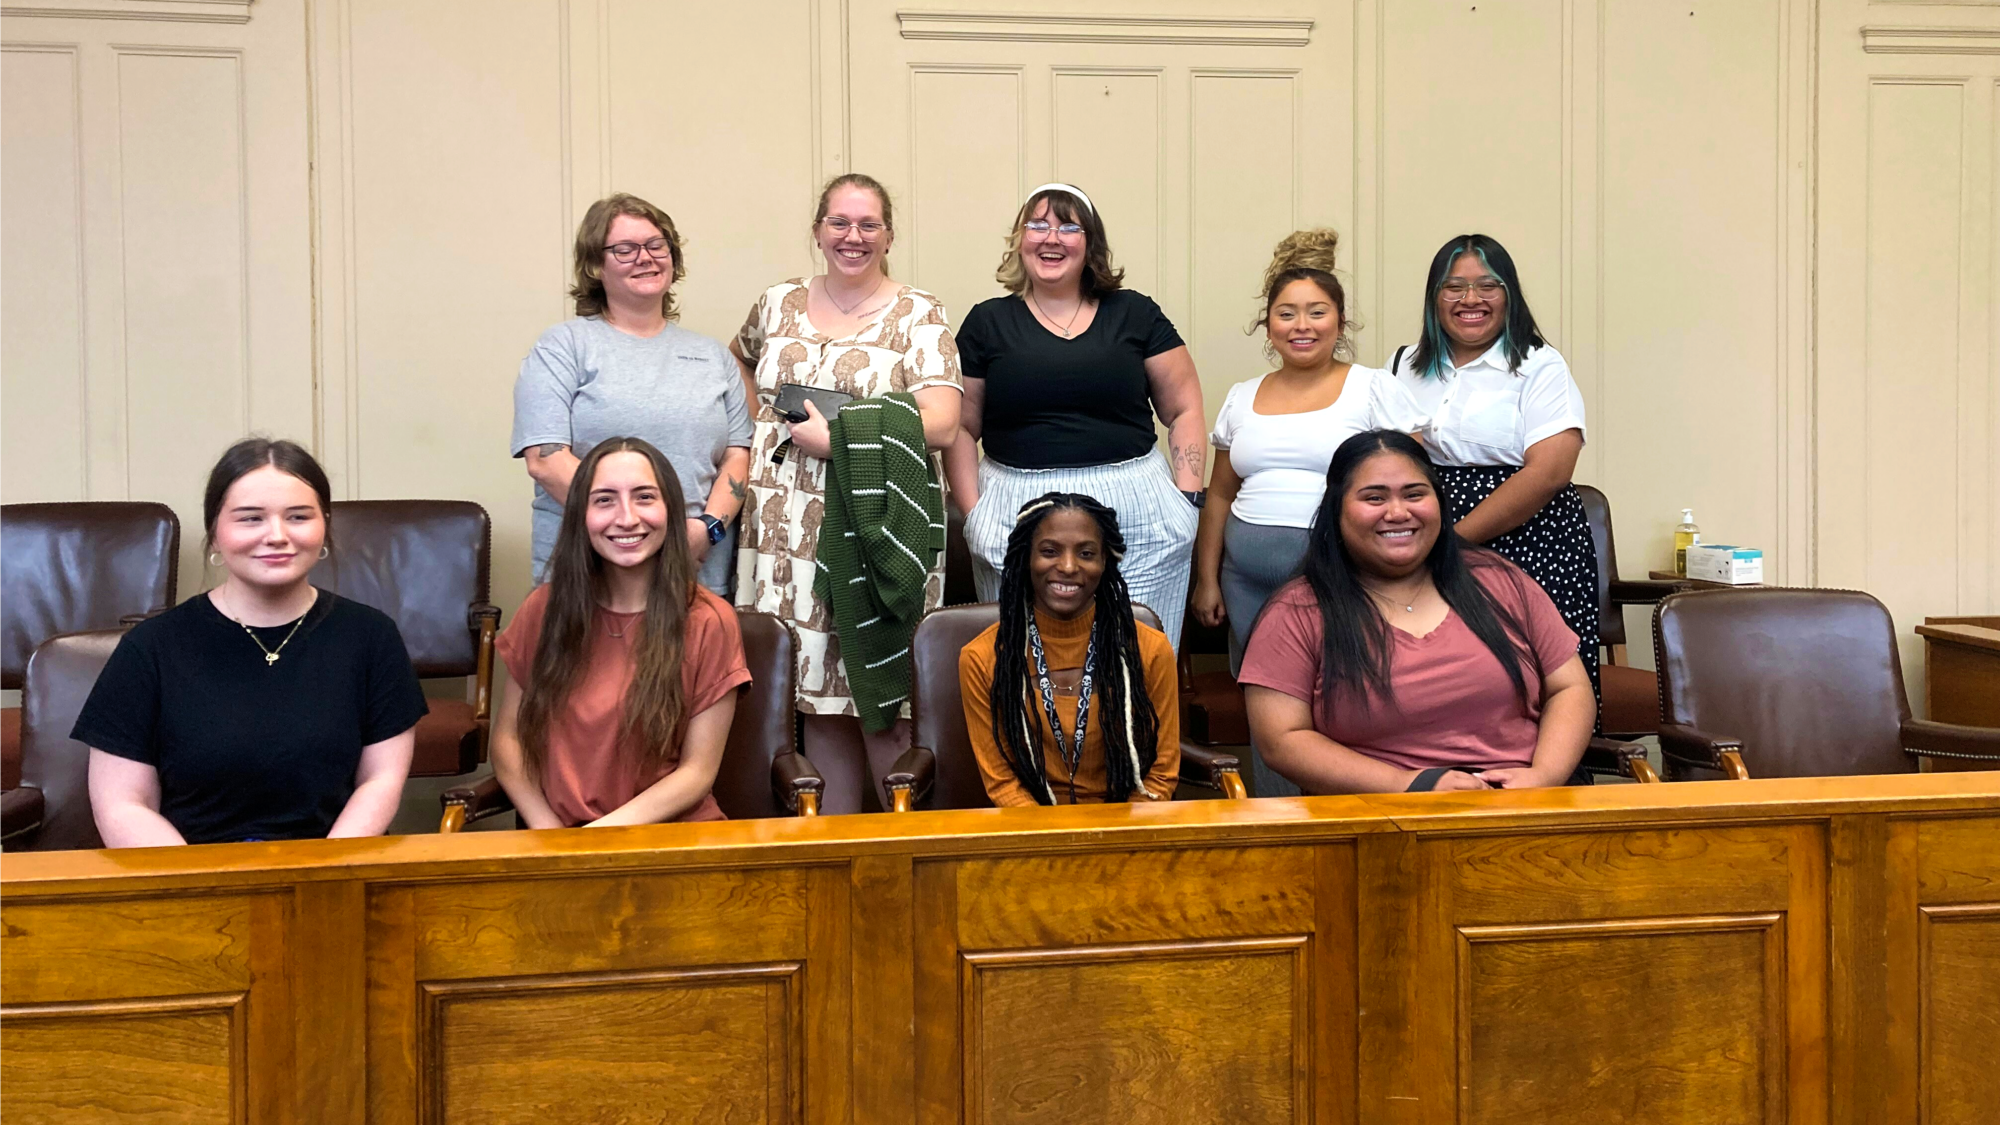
(594, 233)
(1098, 277)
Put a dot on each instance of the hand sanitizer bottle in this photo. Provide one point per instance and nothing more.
(1685, 536)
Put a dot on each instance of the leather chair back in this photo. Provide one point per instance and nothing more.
(763, 727)
(937, 708)
(60, 675)
(1809, 680)
(1597, 513)
(425, 563)
(69, 568)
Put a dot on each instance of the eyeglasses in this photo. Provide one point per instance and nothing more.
(869, 228)
(1040, 228)
(628, 252)
(1486, 288)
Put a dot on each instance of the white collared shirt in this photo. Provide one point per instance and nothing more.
(1483, 414)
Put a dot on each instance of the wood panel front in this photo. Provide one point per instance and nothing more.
(1797, 951)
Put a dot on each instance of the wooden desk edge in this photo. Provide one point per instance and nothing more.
(974, 832)
(1972, 636)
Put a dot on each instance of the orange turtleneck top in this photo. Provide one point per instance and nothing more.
(1065, 643)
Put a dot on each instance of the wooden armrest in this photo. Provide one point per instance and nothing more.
(1212, 769)
(1700, 748)
(484, 620)
(21, 810)
(1644, 591)
(797, 783)
(1951, 740)
(466, 804)
(911, 778)
(1630, 756)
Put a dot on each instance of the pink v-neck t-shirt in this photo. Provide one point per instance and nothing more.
(590, 769)
(1454, 704)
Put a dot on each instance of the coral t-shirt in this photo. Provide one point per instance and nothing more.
(1454, 704)
(589, 769)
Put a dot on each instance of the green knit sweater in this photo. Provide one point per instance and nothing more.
(881, 534)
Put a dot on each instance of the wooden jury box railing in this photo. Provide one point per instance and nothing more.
(1798, 951)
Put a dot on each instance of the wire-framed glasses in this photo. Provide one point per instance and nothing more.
(1040, 228)
(1458, 289)
(869, 228)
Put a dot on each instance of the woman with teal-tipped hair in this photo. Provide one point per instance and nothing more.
(1501, 416)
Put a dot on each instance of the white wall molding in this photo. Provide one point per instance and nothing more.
(1931, 40)
(1242, 31)
(153, 11)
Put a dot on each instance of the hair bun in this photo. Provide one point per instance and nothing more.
(1303, 249)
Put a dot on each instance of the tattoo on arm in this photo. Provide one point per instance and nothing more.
(551, 449)
(738, 489)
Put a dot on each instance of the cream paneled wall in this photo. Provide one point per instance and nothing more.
(1763, 231)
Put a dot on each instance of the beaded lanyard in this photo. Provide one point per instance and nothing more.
(1072, 760)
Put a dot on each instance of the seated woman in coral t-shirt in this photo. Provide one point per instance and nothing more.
(1405, 658)
(624, 670)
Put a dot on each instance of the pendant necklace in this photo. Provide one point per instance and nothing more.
(1410, 608)
(848, 310)
(1066, 333)
(271, 654)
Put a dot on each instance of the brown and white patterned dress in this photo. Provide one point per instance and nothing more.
(907, 349)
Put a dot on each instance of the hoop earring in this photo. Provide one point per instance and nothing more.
(323, 552)
(215, 558)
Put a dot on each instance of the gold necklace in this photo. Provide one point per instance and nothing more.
(1410, 608)
(271, 654)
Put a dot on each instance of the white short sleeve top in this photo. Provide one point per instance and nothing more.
(1483, 414)
(1282, 458)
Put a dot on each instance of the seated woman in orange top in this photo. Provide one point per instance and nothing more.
(624, 669)
(1068, 700)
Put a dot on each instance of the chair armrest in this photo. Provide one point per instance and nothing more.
(1644, 591)
(797, 783)
(1684, 743)
(911, 778)
(21, 811)
(484, 620)
(1951, 740)
(466, 804)
(1630, 756)
(1212, 769)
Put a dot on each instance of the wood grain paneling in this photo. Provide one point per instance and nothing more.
(155, 1062)
(1187, 1033)
(1546, 1034)
(714, 1045)
(1958, 861)
(1139, 896)
(123, 948)
(41, 276)
(1961, 1016)
(1619, 874)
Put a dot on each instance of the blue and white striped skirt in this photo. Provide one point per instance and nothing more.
(1157, 521)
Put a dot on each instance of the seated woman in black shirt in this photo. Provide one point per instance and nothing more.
(264, 709)
(1062, 382)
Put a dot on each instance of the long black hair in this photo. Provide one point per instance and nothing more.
(1131, 729)
(1354, 656)
(1518, 333)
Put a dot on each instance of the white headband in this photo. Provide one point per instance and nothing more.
(1066, 188)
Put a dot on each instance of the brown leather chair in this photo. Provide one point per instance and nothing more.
(1212, 711)
(51, 809)
(68, 568)
(762, 775)
(425, 563)
(958, 585)
(1793, 683)
(1629, 706)
(938, 770)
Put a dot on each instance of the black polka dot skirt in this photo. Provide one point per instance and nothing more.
(1554, 547)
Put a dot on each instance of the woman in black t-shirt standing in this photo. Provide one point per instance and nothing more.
(264, 709)
(1062, 382)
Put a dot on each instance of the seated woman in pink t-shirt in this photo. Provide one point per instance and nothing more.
(1405, 658)
(623, 668)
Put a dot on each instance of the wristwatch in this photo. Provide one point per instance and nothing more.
(1198, 497)
(716, 528)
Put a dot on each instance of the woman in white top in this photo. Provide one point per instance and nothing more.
(1273, 438)
(1503, 420)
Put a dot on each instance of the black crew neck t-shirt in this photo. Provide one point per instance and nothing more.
(249, 749)
(1053, 403)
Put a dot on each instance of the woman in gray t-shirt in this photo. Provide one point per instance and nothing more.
(623, 368)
